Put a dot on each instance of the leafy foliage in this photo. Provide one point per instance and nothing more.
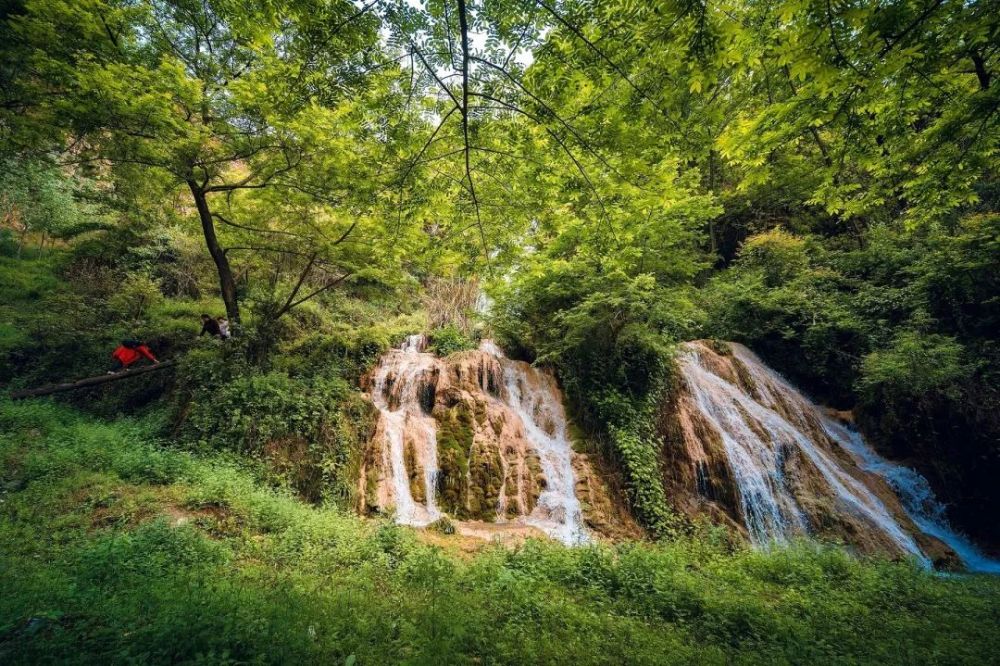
(815, 179)
(449, 339)
(602, 307)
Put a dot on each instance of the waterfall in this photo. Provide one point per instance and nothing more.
(396, 395)
(536, 399)
(763, 423)
(525, 404)
(750, 448)
(916, 496)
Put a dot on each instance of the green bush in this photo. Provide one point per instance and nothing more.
(796, 312)
(916, 365)
(448, 340)
(902, 328)
(134, 295)
(777, 254)
(309, 431)
(608, 335)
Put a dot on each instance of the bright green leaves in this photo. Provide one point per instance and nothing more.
(916, 364)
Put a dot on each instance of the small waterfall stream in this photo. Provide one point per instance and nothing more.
(916, 496)
(395, 395)
(535, 398)
(529, 397)
(758, 438)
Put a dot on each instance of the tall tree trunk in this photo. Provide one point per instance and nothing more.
(226, 282)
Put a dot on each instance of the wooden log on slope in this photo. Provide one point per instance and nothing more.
(87, 381)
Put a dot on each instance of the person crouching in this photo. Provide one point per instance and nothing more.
(210, 326)
(128, 353)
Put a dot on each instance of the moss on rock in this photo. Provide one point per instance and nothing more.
(414, 472)
(454, 439)
(486, 483)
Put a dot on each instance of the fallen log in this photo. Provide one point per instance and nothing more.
(87, 381)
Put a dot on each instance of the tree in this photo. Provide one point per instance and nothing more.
(211, 93)
(35, 197)
(874, 110)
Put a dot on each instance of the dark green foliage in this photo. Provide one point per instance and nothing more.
(310, 432)
(37, 202)
(62, 316)
(784, 300)
(351, 353)
(904, 329)
(927, 399)
(442, 525)
(608, 336)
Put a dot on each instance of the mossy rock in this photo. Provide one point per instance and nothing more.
(479, 408)
(486, 475)
(371, 488)
(415, 473)
(720, 347)
(455, 436)
(746, 379)
(427, 394)
(442, 525)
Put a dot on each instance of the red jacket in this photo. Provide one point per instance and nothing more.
(128, 356)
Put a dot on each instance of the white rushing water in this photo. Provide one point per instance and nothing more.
(916, 496)
(405, 366)
(530, 396)
(537, 402)
(758, 439)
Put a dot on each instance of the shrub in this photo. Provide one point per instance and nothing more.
(609, 337)
(136, 294)
(249, 575)
(778, 254)
(915, 365)
(309, 431)
(449, 339)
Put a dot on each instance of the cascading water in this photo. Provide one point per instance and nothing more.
(765, 426)
(536, 401)
(522, 417)
(484, 438)
(916, 496)
(396, 396)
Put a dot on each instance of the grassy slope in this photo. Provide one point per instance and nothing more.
(114, 548)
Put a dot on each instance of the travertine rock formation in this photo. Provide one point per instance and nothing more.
(478, 436)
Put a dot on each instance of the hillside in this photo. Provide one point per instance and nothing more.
(454, 331)
(119, 549)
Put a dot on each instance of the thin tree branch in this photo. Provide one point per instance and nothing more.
(464, 25)
(298, 285)
(258, 230)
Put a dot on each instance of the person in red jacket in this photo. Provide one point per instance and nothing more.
(127, 353)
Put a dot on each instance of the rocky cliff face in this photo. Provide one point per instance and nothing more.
(480, 437)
